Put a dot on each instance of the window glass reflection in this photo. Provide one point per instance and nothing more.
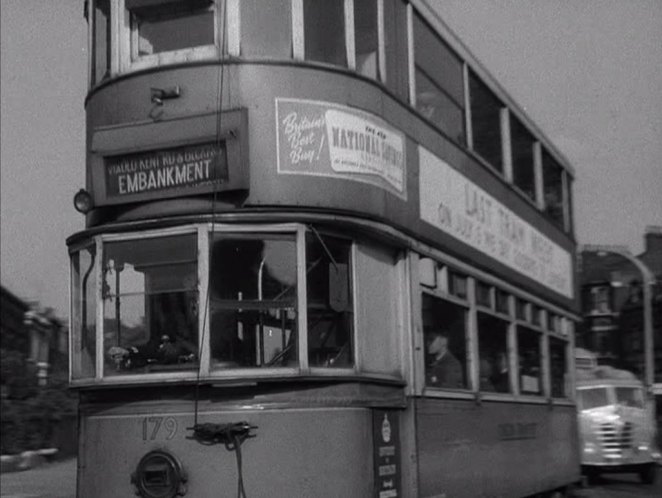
(439, 81)
(253, 291)
(530, 372)
(630, 396)
(84, 302)
(150, 300)
(493, 354)
(522, 149)
(324, 31)
(553, 188)
(366, 37)
(266, 28)
(592, 398)
(101, 37)
(486, 122)
(330, 301)
(171, 26)
(558, 366)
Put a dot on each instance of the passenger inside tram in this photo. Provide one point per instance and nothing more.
(486, 374)
(443, 368)
(172, 338)
(500, 377)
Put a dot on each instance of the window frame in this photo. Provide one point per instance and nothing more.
(442, 295)
(101, 305)
(432, 276)
(205, 233)
(355, 366)
(299, 38)
(73, 340)
(301, 299)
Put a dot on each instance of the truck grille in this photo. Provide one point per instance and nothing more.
(615, 438)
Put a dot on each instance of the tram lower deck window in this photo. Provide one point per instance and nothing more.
(444, 328)
(530, 361)
(493, 352)
(558, 366)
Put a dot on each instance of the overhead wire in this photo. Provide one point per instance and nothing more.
(232, 435)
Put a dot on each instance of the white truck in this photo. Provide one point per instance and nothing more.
(616, 421)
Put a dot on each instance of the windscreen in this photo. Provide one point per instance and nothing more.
(630, 396)
(593, 398)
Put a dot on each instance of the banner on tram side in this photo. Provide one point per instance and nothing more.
(326, 139)
(453, 204)
(166, 170)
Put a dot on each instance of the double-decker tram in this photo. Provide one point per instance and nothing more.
(325, 254)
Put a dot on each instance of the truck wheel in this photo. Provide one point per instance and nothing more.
(647, 473)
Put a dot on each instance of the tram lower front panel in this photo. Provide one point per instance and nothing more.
(149, 450)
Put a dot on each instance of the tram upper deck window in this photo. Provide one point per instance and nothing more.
(101, 41)
(366, 41)
(253, 296)
(444, 330)
(553, 189)
(330, 301)
(164, 31)
(522, 142)
(266, 28)
(150, 301)
(324, 31)
(84, 312)
(439, 82)
(486, 122)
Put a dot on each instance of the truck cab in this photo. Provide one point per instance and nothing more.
(616, 422)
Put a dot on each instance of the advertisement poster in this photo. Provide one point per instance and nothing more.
(325, 139)
(452, 203)
(166, 170)
(386, 441)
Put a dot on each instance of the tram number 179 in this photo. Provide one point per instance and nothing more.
(154, 427)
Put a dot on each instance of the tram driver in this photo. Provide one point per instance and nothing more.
(443, 368)
(172, 332)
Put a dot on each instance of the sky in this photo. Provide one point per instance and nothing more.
(588, 72)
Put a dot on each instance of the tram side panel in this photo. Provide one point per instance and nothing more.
(495, 449)
(296, 452)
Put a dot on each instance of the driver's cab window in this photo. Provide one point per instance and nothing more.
(253, 301)
(150, 303)
(330, 301)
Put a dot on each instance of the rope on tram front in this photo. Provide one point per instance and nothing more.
(231, 436)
